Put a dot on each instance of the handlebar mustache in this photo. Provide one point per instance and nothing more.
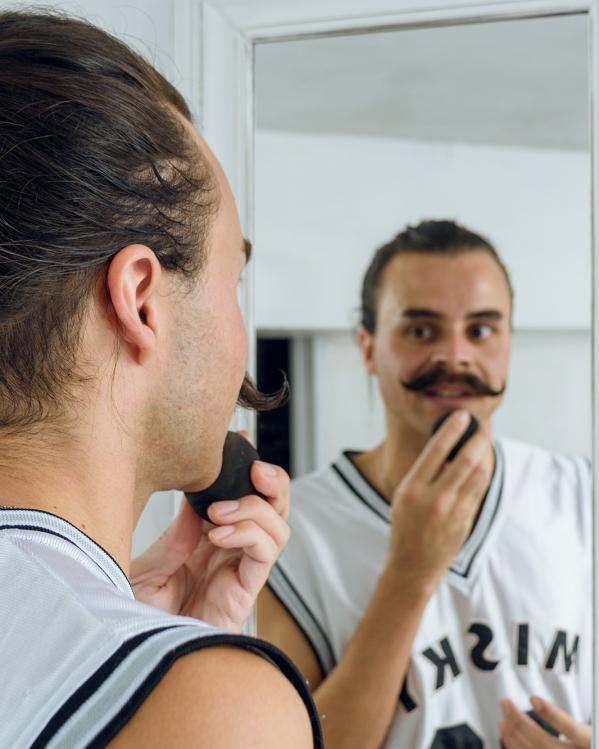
(440, 374)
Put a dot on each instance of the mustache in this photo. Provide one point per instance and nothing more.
(253, 399)
(440, 374)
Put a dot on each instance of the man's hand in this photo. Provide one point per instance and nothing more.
(215, 574)
(435, 505)
(518, 731)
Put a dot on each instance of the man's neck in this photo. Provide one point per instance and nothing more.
(88, 482)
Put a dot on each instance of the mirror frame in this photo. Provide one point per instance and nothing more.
(214, 45)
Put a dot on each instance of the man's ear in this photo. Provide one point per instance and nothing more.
(366, 343)
(131, 283)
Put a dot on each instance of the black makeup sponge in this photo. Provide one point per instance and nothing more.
(233, 480)
(470, 431)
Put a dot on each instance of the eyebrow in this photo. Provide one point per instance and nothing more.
(487, 314)
(247, 250)
(415, 313)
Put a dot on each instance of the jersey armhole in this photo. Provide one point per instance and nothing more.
(302, 629)
(156, 672)
(288, 595)
(259, 647)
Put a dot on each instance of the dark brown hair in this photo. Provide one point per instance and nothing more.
(428, 237)
(93, 156)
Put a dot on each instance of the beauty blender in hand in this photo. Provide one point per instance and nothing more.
(233, 480)
(470, 431)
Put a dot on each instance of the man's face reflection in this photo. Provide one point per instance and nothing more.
(442, 339)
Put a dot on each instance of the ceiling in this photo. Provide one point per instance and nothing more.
(514, 83)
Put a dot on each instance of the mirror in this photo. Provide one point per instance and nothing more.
(356, 138)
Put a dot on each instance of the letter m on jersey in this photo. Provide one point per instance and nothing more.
(561, 646)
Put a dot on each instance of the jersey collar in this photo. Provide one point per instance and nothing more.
(38, 521)
(349, 474)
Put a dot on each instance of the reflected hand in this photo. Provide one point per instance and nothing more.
(519, 731)
(215, 574)
(435, 505)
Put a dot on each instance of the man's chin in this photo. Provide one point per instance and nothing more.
(208, 476)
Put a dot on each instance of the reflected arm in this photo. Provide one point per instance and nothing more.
(358, 699)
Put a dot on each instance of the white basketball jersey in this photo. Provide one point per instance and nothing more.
(79, 654)
(511, 618)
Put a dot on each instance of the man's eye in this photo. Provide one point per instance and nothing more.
(420, 332)
(481, 332)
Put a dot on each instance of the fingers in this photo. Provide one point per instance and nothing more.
(250, 524)
(462, 486)
(259, 531)
(249, 537)
(518, 731)
(433, 457)
(578, 733)
(464, 503)
(469, 462)
(511, 740)
(272, 482)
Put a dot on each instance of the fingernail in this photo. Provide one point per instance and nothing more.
(537, 703)
(505, 706)
(226, 508)
(462, 418)
(267, 470)
(218, 534)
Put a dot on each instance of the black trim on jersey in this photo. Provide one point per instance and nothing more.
(308, 611)
(476, 552)
(41, 529)
(83, 533)
(99, 677)
(350, 454)
(499, 466)
(91, 685)
(323, 671)
(260, 647)
(349, 485)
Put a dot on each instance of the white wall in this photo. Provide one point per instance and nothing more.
(145, 25)
(324, 203)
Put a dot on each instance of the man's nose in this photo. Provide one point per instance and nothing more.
(454, 352)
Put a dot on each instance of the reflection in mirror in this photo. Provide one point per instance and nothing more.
(462, 588)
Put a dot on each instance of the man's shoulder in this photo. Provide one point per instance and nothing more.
(318, 476)
(526, 454)
(124, 659)
(532, 465)
(220, 697)
(103, 644)
(311, 487)
(320, 498)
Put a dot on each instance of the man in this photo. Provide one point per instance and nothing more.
(421, 597)
(122, 356)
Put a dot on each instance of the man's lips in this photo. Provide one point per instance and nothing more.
(449, 391)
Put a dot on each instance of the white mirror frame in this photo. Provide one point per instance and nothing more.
(214, 53)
